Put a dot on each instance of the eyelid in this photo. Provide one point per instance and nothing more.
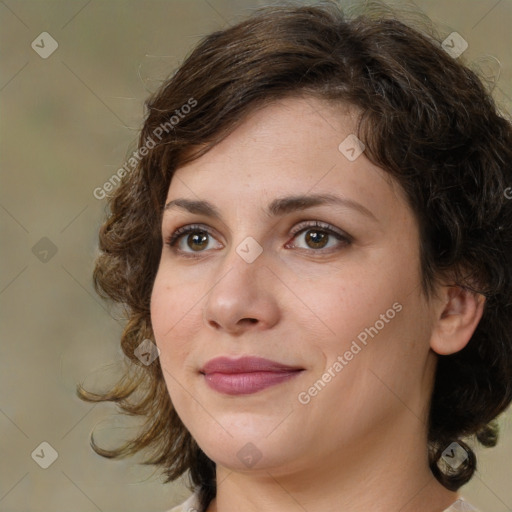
(322, 225)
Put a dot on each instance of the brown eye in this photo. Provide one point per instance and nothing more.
(316, 239)
(191, 239)
(318, 235)
(198, 240)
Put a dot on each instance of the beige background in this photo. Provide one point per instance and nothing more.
(67, 123)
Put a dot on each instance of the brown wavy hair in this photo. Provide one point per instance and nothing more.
(426, 118)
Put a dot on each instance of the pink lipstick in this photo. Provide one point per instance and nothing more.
(246, 375)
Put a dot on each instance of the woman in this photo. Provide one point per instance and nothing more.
(317, 237)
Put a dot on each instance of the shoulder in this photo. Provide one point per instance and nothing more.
(191, 504)
(461, 505)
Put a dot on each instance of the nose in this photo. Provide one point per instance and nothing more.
(243, 297)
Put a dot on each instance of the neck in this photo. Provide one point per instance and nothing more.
(383, 472)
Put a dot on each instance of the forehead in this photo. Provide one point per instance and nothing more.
(294, 146)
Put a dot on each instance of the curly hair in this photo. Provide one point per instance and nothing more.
(425, 118)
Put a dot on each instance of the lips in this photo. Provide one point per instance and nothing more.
(245, 364)
(246, 375)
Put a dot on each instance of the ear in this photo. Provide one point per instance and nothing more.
(458, 315)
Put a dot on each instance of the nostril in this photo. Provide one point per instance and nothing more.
(243, 321)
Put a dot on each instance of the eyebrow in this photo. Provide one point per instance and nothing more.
(277, 207)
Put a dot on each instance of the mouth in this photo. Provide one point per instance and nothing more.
(246, 375)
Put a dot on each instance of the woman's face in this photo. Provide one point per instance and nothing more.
(339, 304)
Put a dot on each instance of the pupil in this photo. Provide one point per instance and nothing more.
(317, 238)
(199, 239)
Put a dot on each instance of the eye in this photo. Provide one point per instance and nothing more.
(315, 235)
(319, 235)
(191, 239)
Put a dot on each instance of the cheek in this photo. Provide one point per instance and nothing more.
(169, 306)
(171, 301)
(354, 299)
(161, 307)
(375, 304)
(176, 314)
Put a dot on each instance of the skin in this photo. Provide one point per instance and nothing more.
(360, 443)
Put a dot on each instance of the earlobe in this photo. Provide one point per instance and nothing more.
(456, 319)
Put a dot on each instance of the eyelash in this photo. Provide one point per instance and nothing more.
(300, 228)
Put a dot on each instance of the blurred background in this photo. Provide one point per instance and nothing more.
(73, 79)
